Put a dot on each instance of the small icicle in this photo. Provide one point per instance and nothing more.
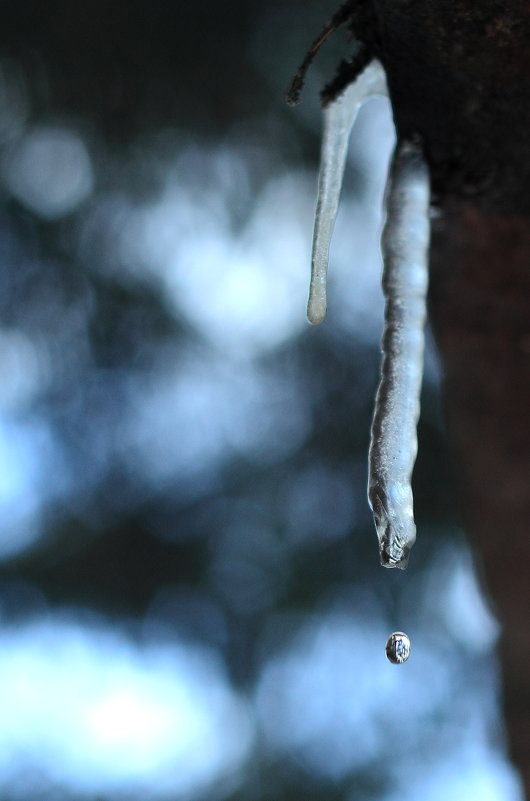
(394, 442)
(339, 118)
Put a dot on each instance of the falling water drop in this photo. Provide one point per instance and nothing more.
(398, 648)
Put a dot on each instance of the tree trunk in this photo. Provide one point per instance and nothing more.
(480, 308)
(459, 77)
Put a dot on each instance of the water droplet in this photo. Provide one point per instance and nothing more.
(398, 648)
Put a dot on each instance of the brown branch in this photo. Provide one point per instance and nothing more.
(341, 16)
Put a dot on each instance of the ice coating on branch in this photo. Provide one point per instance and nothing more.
(339, 118)
(394, 444)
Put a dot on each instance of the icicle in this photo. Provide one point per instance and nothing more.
(339, 117)
(394, 443)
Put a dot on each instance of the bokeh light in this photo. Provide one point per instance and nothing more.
(191, 605)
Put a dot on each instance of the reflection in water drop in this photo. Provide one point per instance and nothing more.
(398, 648)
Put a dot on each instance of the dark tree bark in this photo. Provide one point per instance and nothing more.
(480, 307)
(459, 77)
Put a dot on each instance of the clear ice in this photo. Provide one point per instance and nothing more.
(339, 118)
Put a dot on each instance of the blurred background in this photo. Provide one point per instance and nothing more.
(191, 604)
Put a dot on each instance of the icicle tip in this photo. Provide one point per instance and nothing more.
(316, 310)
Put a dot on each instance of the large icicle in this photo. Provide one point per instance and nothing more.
(394, 443)
(339, 118)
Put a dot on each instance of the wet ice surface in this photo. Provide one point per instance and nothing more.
(394, 443)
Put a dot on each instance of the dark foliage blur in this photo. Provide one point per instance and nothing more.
(191, 599)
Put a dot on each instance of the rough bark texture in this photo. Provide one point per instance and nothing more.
(480, 307)
(459, 76)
